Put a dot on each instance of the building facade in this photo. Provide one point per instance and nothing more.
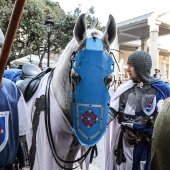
(149, 32)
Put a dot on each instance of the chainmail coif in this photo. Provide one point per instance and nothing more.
(142, 63)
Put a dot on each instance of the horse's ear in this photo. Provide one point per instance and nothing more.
(80, 29)
(110, 31)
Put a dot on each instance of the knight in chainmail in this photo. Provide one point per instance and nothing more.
(133, 110)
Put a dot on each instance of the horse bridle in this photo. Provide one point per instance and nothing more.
(106, 47)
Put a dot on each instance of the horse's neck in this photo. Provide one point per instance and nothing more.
(62, 91)
(61, 85)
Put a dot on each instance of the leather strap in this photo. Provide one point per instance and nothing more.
(93, 151)
(119, 152)
(23, 155)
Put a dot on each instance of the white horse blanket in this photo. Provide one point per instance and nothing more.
(61, 130)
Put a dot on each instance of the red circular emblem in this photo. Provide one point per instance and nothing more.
(1, 131)
(89, 118)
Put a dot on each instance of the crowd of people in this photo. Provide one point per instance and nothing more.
(134, 106)
(157, 74)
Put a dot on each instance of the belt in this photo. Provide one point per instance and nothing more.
(141, 120)
(134, 137)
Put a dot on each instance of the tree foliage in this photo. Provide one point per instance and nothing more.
(32, 30)
(65, 25)
(32, 33)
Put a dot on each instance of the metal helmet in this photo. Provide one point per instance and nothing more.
(142, 63)
(1, 38)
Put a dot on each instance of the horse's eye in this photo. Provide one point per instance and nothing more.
(107, 80)
(75, 77)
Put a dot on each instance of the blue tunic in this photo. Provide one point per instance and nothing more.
(9, 122)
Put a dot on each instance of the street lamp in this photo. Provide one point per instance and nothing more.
(20, 45)
(49, 24)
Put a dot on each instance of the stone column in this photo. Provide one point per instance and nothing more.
(153, 45)
(144, 44)
(115, 45)
(163, 70)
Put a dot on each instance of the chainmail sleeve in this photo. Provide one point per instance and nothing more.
(111, 115)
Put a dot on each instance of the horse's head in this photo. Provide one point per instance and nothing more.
(81, 33)
(64, 75)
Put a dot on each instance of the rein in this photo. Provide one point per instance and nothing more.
(49, 131)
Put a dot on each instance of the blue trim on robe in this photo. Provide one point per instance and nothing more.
(9, 97)
(162, 87)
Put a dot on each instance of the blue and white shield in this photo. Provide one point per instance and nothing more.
(3, 129)
(91, 97)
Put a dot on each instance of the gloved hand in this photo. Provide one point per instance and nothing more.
(25, 168)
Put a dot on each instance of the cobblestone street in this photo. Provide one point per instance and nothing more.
(98, 163)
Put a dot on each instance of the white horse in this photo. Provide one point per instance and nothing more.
(60, 107)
